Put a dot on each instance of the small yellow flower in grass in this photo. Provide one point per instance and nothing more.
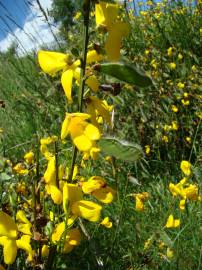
(147, 149)
(147, 52)
(106, 15)
(192, 192)
(180, 56)
(45, 251)
(185, 166)
(188, 139)
(167, 127)
(169, 253)
(148, 242)
(154, 64)
(29, 157)
(194, 68)
(82, 133)
(172, 223)
(185, 102)
(181, 85)
(77, 16)
(87, 210)
(53, 62)
(174, 108)
(140, 198)
(106, 222)
(182, 204)
(165, 139)
(1, 130)
(19, 168)
(9, 236)
(175, 125)
(172, 66)
(170, 51)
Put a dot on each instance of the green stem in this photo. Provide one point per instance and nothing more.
(86, 12)
(56, 165)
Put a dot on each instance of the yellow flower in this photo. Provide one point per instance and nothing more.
(181, 85)
(94, 183)
(19, 168)
(147, 149)
(44, 143)
(29, 157)
(140, 198)
(182, 204)
(172, 66)
(9, 236)
(45, 251)
(180, 56)
(185, 94)
(170, 51)
(53, 62)
(77, 15)
(154, 64)
(169, 253)
(192, 193)
(172, 223)
(105, 194)
(165, 139)
(185, 102)
(97, 108)
(71, 194)
(106, 222)
(82, 133)
(185, 166)
(87, 210)
(175, 125)
(73, 236)
(188, 139)
(106, 15)
(174, 108)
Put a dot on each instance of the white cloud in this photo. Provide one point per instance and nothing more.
(35, 32)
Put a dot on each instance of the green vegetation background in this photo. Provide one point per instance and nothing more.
(33, 103)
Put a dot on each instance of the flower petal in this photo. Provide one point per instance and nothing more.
(52, 62)
(65, 126)
(71, 194)
(93, 83)
(66, 81)
(92, 132)
(24, 243)
(105, 194)
(113, 42)
(10, 251)
(105, 13)
(7, 226)
(56, 194)
(87, 209)
(93, 56)
(83, 143)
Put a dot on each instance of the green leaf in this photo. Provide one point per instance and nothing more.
(5, 176)
(125, 72)
(166, 239)
(121, 149)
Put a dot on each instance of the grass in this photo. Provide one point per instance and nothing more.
(35, 107)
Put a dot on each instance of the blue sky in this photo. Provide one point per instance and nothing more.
(14, 9)
(31, 30)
